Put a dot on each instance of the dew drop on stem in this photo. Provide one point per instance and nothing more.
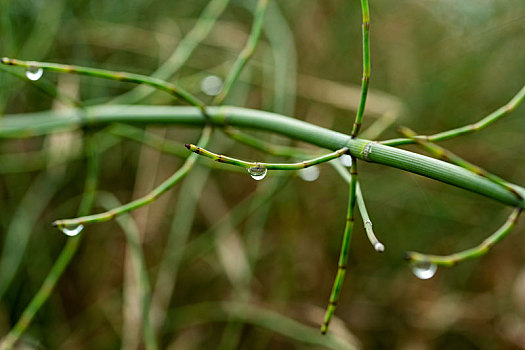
(257, 172)
(346, 160)
(34, 73)
(73, 231)
(310, 173)
(424, 270)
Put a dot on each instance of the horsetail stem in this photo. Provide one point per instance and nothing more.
(366, 68)
(345, 247)
(140, 202)
(246, 53)
(447, 155)
(269, 166)
(111, 75)
(467, 129)
(475, 252)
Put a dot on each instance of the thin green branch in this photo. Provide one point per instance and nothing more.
(345, 248)
(148, 198)
(467, 129)
(472, 253)
(246, 53)
(366, 68)
(33, 124)
(447, 155)
(367, 223)
(65, 257)
(269, 166)
(112, 75)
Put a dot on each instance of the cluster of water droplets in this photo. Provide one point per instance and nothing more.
(72, 231)
(34, 73)
(424, 270)
(309, 174)
(257, 172)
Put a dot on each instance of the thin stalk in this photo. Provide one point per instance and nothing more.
(366, 68)
(131, 232)
(246, 53)
(467, 129)
(148, 198)
(112, 75)
(475, 252)
(270, 166)
(65, 257)
(33, 124)
(182, 53)
(447, 155)
(345, 248)
(367, 223)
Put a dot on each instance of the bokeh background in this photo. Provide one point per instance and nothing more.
(269, 246)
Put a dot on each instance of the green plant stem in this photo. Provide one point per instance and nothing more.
(366, 68)
(467, 129)
(246, 53)
(64, 258)
(477, 251)
(345, 248)
(112, 75)
(367, 223)
(447, 155)
(182, 53)
(33, 124)
(270, 166)
(131, 232)
(148, 198)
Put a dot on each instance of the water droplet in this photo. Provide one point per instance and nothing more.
(346, 160)
(379, 247)
(424, 270)
(34, 73)
(211, 85)
(310, 173)
(72, 231)
(257, 172)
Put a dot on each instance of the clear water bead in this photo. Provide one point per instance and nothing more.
(310, 173)
(257, 172)
(34, 73)
(72, 232)
(346, 160)
(211, 85)
(424, 270)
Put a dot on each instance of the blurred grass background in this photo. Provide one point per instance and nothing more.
(435, 64)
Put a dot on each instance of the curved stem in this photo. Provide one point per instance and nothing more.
(46, 122)
(477, 251)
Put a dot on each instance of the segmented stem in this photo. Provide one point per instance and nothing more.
(366, 68)
(270, 166)
(148, 198)
(112, 75)
(475, 252)
(467, 129)
(246, 53)
(345, 247)
(447, 155)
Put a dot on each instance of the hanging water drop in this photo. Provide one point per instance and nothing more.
(310, 173)
(34, 73)
(211, 85)
(346, 160)
(379, 247)
(72, 232)
(257, 172)
(424, 270)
